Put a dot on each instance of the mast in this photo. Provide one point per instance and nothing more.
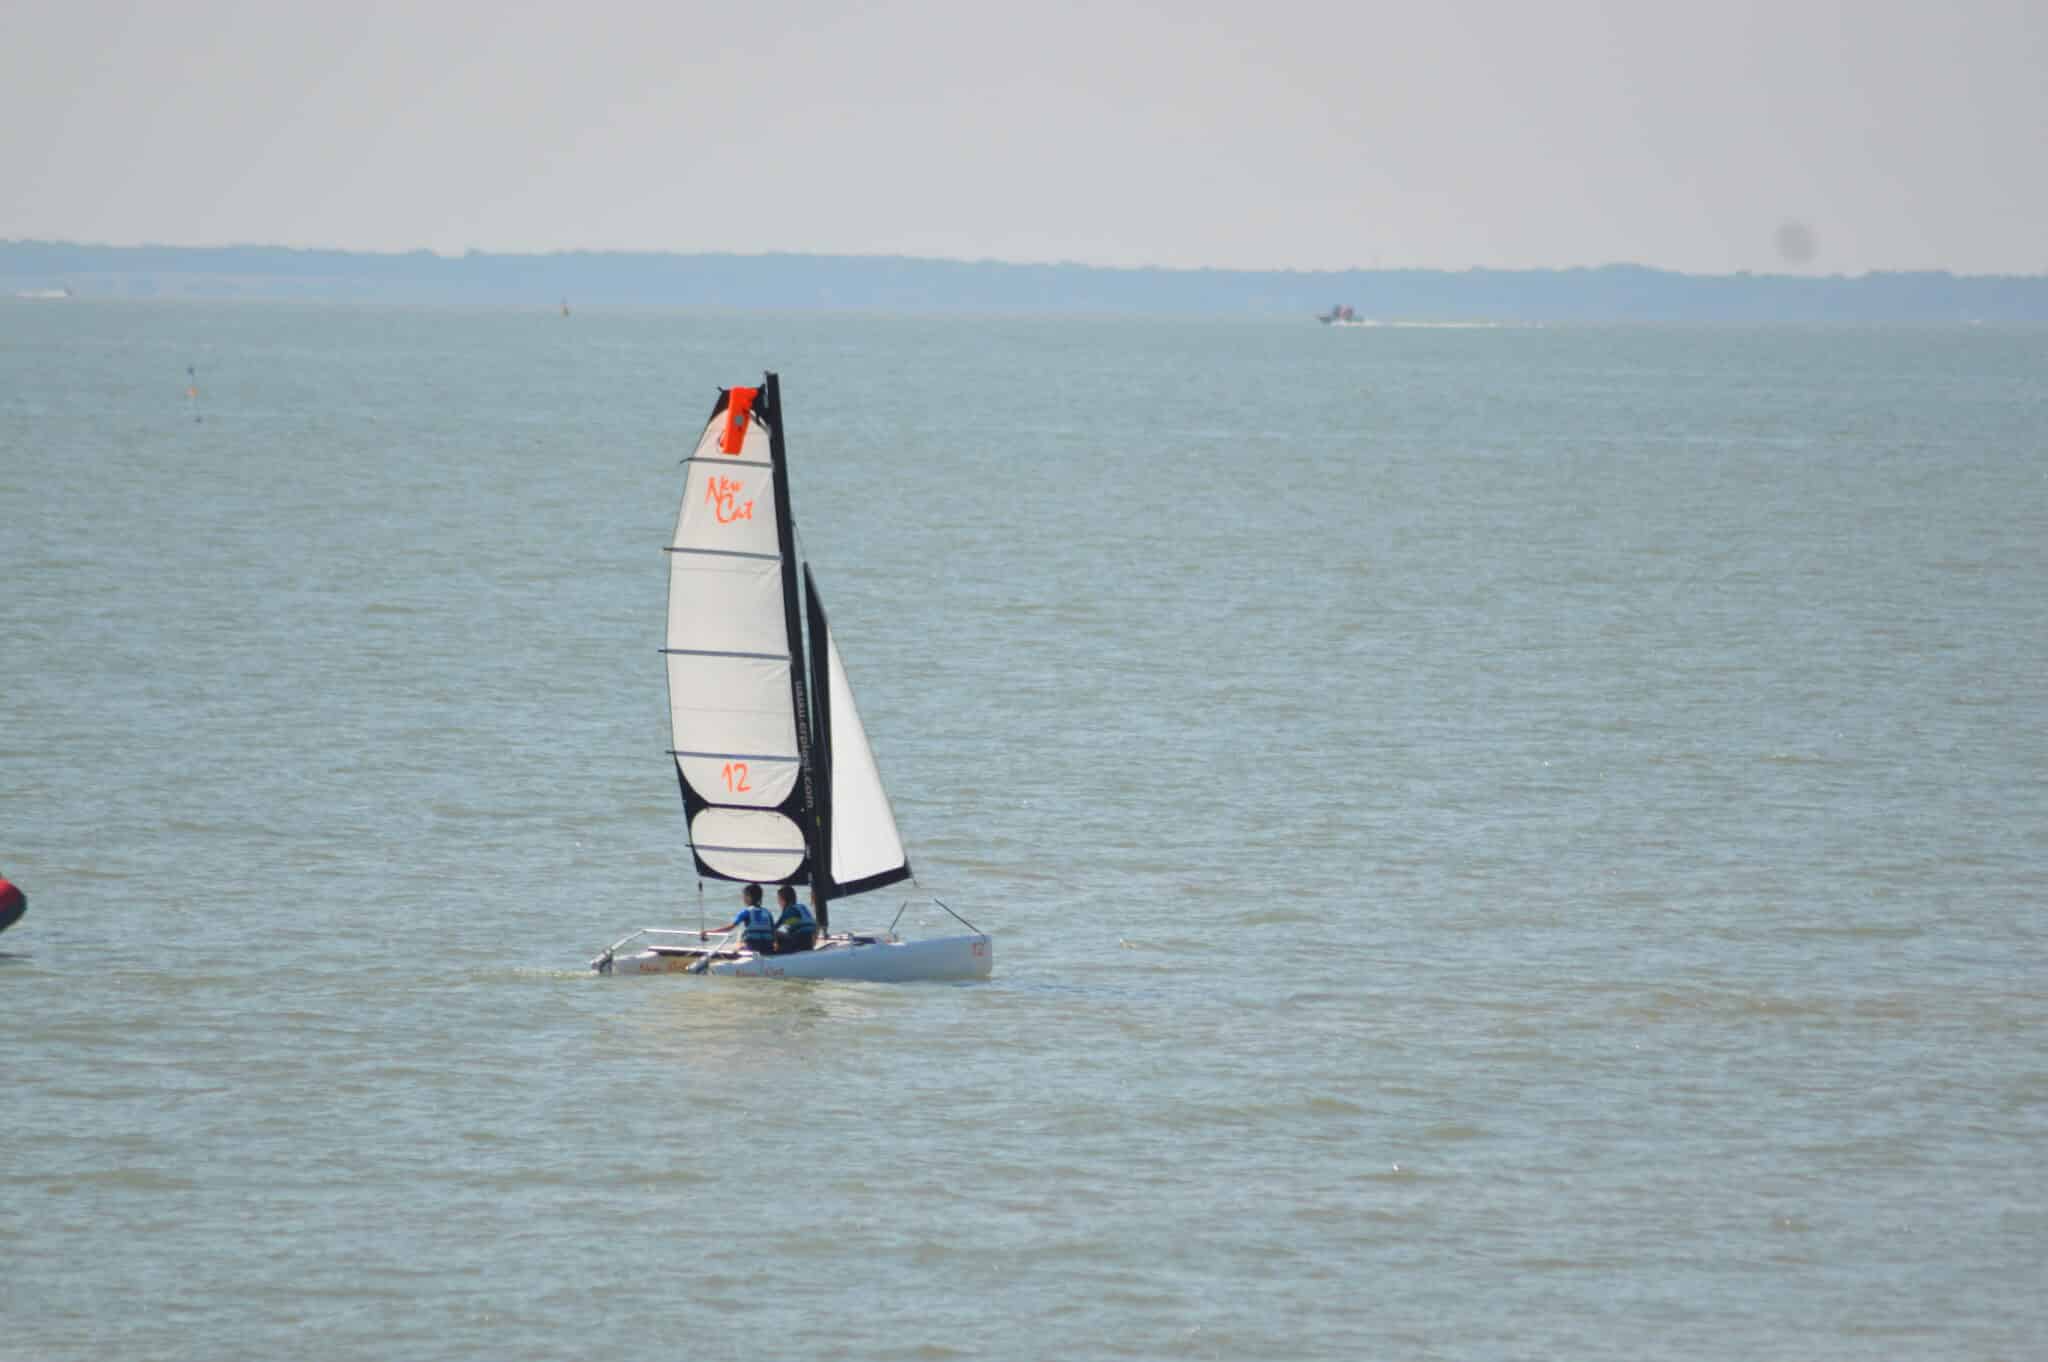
(821, 752)
(799, 680)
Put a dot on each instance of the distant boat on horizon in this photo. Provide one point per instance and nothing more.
(1340, 314)
(44, 294)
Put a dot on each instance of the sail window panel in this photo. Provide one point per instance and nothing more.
(865, 841)
(747, 844)
(731, 605)
(748, 778)
(728, 507)
(730, 704)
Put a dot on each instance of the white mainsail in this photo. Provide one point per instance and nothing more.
(732, 714)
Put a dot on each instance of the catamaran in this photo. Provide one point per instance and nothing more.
(778, 781)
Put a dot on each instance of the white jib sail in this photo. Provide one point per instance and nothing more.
(865, 841)
(730, 710)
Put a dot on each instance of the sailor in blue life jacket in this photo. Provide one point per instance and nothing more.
(756, 926)
(796, 930)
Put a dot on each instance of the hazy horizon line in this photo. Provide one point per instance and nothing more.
(612, 251)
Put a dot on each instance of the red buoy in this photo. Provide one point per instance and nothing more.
(13, 903)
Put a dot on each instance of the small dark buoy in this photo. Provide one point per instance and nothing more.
(13, 903)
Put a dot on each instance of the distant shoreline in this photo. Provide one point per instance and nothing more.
(838, 283)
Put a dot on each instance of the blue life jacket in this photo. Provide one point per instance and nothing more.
(796, 928)
(758, 925)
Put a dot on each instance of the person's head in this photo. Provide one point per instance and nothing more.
(751, 896)
(785, 896)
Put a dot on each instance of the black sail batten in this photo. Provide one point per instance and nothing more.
(876, 881)
(797, 806)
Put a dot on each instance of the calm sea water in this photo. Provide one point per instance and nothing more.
(1501, 843)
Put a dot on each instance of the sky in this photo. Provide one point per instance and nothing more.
(1796, 136)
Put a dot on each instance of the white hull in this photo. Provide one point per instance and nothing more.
(868, 959)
